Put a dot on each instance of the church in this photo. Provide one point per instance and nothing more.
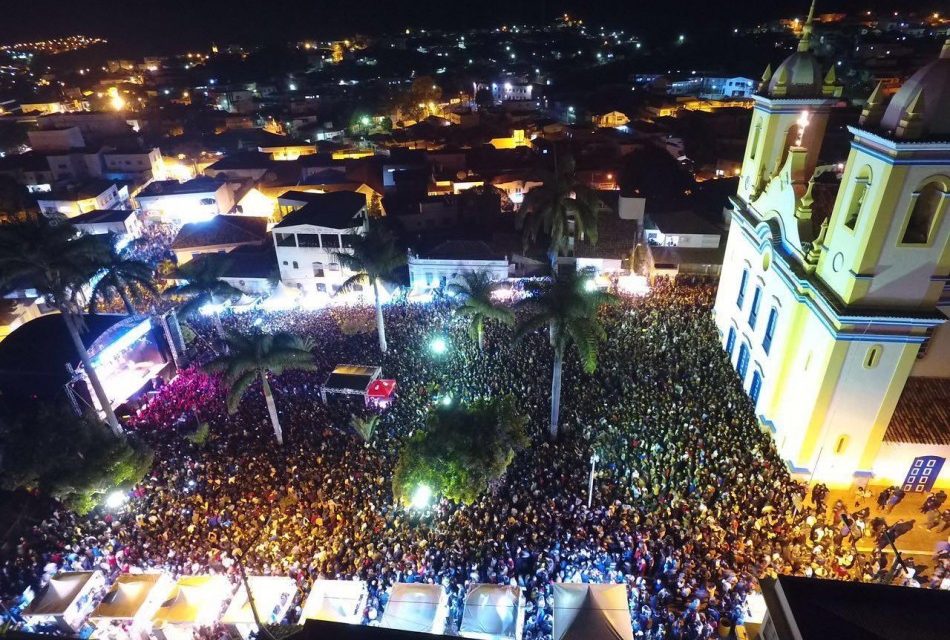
(834, 288)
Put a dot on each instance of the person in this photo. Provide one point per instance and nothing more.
(934, 501)
(895, 499)
(884, 496)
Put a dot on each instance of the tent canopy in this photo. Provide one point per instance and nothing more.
(381, 389)
(591, 612)
(493, 611)
(273, 596)
(335, 601)
(128, 595)
(194, 600)
(351, 379)
(416, 607)
(59, 594)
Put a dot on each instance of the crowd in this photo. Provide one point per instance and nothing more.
(692, 504)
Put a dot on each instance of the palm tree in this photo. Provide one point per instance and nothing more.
(256, 356)
(568, 307)
(204, 286)
(373, 257)
(122, 277)
(475, 288)
(562, 208)
(58, 262)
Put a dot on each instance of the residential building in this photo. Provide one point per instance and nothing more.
(124, 223)
(309, 237)
(447, 261)
(76, 199)
(825, 304)
(182, 202)
(220, 234)
(681, 229)
(610, 119)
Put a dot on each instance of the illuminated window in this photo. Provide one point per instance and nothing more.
(754, 311)
(923, 214)
(770, 330)
(742, 285)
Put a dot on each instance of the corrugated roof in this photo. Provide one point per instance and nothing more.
(922, 415)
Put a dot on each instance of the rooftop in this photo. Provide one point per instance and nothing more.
(221, 230)
(100, 216)
(174, 187)
(462, 250)
(922, 415)
(681, 222)
(338, 210)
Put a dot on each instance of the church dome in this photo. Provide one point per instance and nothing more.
(925, 95)
(799, 76)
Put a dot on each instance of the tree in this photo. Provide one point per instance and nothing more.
(568, 306)
(256, 356)
(204, 286)
(365, 426)
(461, 450)
(562, 208)
(374, 258)
(57, 261)
(375, 208)
(422, 98)
(71, 458)
(475, 289)
(120, 276)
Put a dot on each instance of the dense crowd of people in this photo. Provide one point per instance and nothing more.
(691, 506)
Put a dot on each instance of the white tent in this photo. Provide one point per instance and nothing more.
(273, 597)
(335, 601)
(66, 600)
(493, 611)
(193, 601)
(416, 607)
(591, 612)
(133, 597)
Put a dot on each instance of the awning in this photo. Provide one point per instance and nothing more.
(416, 607)
(61, 592)
(493, 611)
(133, 596)
(381, 389)
(272, 595)
(194, 600)
(591, 612)
(335, 601)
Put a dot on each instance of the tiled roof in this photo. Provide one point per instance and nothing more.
(221, 230)
(336, 210)
(922, 415)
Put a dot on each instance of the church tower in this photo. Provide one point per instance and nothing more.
(831, 279)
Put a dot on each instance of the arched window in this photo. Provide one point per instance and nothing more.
(841, 444)
(756, 387)
(770, 330)
(756, 130)
(923, 213)
(731, 342)
(873, 356)
(742, 366)
(742, 285)
(862, 183)
(754, 311)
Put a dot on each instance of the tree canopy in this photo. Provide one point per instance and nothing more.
(74, 459)
(462, 450)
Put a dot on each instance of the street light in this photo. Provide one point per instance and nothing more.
(439, 345)
(594, 459)
(421, 497)
(116, 499)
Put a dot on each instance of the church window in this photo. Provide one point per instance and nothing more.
(923, 213)
(742, 366)
(754, 311)
(861, 185)
(731, 341)
(873, 357)
(742, 285)
(770, 330)
(756, 387)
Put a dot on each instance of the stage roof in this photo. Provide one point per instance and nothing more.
(591, 612)
(416, 607)
(492, 611)
(335, 601)
(194, 600)
(351, 377)
(59, 594)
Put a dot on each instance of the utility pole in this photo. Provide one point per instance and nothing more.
(594, 459)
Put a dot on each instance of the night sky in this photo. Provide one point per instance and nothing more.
(167, 25)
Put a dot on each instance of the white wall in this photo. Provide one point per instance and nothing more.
(428, 274)
(895, 459)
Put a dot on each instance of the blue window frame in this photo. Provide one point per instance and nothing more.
(743, 365)
(731, 341)
(742, 286)
(755, 387)
(770, 330)
(754, 311)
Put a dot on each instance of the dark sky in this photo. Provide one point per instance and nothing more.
(153, 25)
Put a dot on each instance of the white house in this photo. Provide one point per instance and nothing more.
(681, 229)
(122, 222)
(309, 236)
(447, 261)
(88, 196)
(183, 202)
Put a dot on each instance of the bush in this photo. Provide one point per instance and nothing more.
(461, 451)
